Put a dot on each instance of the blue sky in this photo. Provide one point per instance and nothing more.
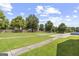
(67, 13)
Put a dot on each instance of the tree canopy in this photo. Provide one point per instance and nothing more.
(18, 23)
(32, 22)
(41, 28)
(3, 21)
(48, 26)
(62, 28)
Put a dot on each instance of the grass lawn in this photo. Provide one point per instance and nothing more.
(68, 48)
(10, 41)
(49, 49)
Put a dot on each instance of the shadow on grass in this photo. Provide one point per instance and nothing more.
(68, 48)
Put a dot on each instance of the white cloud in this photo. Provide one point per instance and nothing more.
(74, 16)
(22, 14)
(39, 9)
(75, 11)
(55, 20)
(43, 15)
(46, 10)
(52, 10)
(67, 16)
(68, 19)
(6, 7)
(10, 13)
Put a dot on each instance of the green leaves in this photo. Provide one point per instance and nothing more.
(2, 14)
(32, 22)
(18, 22)
(3, 21)
(48, 26)
(62, 28)
(41, 27)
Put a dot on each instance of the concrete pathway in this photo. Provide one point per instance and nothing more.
(21, 50)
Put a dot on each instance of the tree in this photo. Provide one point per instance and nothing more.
(32, 23)
(73, 29)
(68, 29)
(18, 23)
(41, 27)
(54, 29)
(77, 29)
(62, 28)
(4, 23)
(48, 26)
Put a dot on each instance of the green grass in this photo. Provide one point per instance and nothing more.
(49, 49)
(68, 48)
(10, 41)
